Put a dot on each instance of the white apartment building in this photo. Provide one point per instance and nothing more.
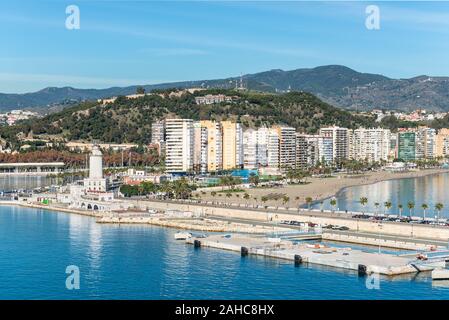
(287, 147)
(250, 149)
(340, 141)
(372, 145)
(270, 137)
(326, 149)
(260, 148)
(425, 147)
(179, 145)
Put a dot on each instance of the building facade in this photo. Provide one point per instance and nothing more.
(340, 142)
(214, 145)
(372, 145)
(232, 145)
(406, 146)
(179, 145)
(287, 147)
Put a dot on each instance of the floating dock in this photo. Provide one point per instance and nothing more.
(345, 258)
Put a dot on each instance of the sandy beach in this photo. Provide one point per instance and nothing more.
(316, 188)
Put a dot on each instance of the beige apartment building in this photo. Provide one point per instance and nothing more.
(214, 145)
(442, 143)
(232, 145)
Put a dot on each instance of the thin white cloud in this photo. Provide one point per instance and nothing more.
(174, 51)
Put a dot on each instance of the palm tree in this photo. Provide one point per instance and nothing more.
(285, 199)
(213, 194)
(363, 202)
(333, 203)
(410, 206)
(387, 205)
(264, 199)
(376, 205)
(424, 207)
(439, 206)
(309, 201)
(246, 196)
(400, 206)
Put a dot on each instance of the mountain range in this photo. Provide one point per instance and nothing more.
(337, 85)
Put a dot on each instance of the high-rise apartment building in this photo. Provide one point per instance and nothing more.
(250, 149)
(301, 151)
(340, 141)
(372, 145)
(425, 144)
(442, 143)
(158, 135)
(232, 145)
(406, 145)
(326, 149)
(214, 145)
(200, 147)
(272, 137)
(179, 145)
(287, 147)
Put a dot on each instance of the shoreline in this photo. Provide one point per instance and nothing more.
(319, 189)
(409, 176)
(328, 187)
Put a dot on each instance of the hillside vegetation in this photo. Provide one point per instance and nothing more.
(129, 120)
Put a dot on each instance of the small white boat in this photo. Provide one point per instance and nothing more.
(182, 235)
(440, 274)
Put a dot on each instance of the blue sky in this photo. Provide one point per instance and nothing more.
(143, 42)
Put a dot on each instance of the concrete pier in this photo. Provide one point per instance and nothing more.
(344, 258)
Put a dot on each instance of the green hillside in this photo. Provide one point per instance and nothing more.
(129, 120)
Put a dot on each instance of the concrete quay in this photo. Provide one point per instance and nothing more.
(343, 258)
(411, 230)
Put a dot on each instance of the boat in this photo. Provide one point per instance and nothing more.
(440, 274)
(182, 235)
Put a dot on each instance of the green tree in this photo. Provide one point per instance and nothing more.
(333, 203)
(246, 196)
(309, 201)
(438, 207)
(363, 202)
(424, 207)
(387, 205)
(264, 199)
(410, 206)
(285, 199)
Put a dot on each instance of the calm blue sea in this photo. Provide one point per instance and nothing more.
(144, 262)
(429, 190)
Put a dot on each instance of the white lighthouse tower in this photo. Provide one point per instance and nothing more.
(95, 182)
(96, 163)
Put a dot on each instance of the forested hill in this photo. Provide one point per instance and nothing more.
(129, 120)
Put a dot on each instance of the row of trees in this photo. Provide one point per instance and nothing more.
(388, 205)
(285, 199)
(78, 159)
(178, 189)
